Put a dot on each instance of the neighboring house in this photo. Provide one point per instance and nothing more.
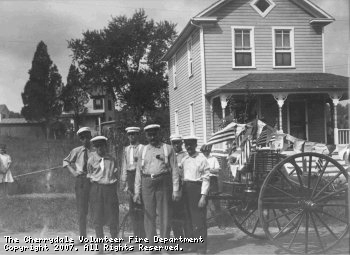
(20, 127)
(4, 112)
(100, 108)
(267, 52)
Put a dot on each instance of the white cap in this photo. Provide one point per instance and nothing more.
(175, 137)
(83, 129)
(99, 138)
(152, 126)
(132, 130)
(190, 137)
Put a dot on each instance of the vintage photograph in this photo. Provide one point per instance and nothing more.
(174, 127)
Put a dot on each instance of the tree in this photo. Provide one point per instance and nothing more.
(125, 57)
(74, 96)
(41, 96)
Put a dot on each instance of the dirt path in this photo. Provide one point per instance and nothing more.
(228, 241)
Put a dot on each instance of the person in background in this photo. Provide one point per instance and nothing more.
(76, 162)
(214, 168)
(196, 186)
(157, 176)
(5, 172)
(103, 174)
(128, 179)
(179, 216)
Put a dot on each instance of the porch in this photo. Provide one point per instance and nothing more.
(303, 105)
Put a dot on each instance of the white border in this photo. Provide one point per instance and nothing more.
(291, 44)
(173, 63)
(252, 44)
(189, 46)
(267, 11)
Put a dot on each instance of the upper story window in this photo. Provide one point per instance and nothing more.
(192, 120)
(189, 57)
(263, 7)
(176, 122)
(174, 71)
(283, 46)
(243, 47)
(98, 104)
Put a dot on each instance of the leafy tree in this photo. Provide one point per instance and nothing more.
(125, 57)
(41, 96)
(74, 96)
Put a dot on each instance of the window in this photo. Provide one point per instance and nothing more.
(243, 47)
(192, 122)
(98, 104)
(109, 105)
(189, 57)
(263, 7)
(283, 46)
(174, 71)
(176, 122)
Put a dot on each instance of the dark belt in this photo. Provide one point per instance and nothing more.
(155, 175)
(194, 182)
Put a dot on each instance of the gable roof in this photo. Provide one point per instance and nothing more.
(285, 82)
(319, 16)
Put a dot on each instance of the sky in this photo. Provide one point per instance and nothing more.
(23, 23)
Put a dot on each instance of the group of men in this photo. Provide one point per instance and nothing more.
(161, 180)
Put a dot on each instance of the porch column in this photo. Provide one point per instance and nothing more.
(280, 98)
(335, 99)
(223, 100)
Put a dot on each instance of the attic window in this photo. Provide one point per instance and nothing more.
(263, 7)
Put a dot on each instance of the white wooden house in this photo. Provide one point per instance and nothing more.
(267, 52)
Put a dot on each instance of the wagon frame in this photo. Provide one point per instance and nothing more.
(298, 201)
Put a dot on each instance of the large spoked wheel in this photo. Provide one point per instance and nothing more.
(308, 194)
(219, 212)
(246, 218)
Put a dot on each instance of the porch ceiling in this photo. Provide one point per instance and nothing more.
(293, 83)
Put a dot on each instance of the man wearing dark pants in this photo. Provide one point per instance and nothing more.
(104, 197)
(179, 216)
(76, 162)
(195, 189)
(156, 176)
(128, 179)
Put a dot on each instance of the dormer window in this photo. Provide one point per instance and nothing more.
(263, 7)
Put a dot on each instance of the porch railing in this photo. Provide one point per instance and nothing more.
(343, 136)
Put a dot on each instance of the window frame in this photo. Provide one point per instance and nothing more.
(291, 50)
(252, 46)
(173, 63)
(192, 119)
(189, 57)
(176, 120)
(267, 11)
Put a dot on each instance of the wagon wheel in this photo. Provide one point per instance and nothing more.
(308, 192)
(248, 220)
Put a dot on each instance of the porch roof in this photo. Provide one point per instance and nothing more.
(286, 82)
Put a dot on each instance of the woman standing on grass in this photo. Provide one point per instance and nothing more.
(5, 173)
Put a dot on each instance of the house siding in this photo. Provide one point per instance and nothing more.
(218, 42)
(188, 90)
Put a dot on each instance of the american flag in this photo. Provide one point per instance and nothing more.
(230, 132)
